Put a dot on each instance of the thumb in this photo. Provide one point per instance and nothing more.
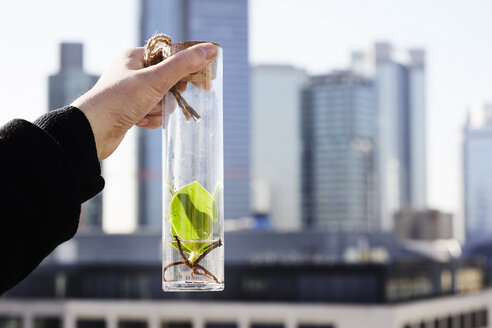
(168, 72)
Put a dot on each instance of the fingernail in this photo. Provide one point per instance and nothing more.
(144, 121)
(208, 50)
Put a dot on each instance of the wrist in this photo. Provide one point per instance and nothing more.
(106, 137)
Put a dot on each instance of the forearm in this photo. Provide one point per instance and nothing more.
(47, 170)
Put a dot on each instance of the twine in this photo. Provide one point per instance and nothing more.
(157, 49)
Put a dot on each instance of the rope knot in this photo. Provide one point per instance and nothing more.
(157, 49)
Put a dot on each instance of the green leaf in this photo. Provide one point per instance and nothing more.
(192, 214)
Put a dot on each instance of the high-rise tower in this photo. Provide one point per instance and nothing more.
(477, 164)
(338, 163)
(224, 22)
(399, 77)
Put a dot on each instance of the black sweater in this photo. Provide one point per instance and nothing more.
(47, 169)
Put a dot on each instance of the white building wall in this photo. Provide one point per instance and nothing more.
(418, 131)
(389, 142)
(401, 146)
(478, 182)
(245, 314)
(276, 139)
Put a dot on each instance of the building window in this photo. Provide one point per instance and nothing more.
(176, 324)
(315, 326)
(10, 322)
(132, 324)
(47, 322)
(220, 325)
(485, 317)
(479, 318)
(266, 325)
(91, 323)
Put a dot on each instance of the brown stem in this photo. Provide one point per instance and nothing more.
(209, 249)
(183, 256)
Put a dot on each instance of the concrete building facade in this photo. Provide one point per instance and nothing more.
(468, 311)
(423, 225)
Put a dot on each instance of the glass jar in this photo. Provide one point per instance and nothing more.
(193, 180)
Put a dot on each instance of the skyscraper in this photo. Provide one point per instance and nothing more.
(338, 163)
(276, 143)
(224, 22)
(399, 77)
(64, 87)
(477, 165)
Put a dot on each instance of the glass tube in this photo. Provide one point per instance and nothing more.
(193, 181)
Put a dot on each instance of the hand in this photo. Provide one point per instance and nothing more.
(128, 94)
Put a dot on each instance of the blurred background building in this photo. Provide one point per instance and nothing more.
(399, 77)
(298, 279)
(64, 87)
(477, 161)
(275, 125)
(338, 169)
(224, 22)
(423, 225)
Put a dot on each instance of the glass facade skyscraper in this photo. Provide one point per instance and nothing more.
(477, 164)
(338, 165)
(63, 88)
(224, 22)
(399, 77)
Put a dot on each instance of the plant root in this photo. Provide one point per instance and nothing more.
(195, 267)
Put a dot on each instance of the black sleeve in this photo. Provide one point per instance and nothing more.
(47, 169)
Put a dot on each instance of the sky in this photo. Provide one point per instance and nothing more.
(317, 35)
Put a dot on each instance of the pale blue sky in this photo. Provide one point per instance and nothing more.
(315, 34)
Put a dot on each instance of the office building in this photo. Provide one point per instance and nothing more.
(423, 225)
(276, 280)
(477, 161)
(276, 143)
(64, 87)
(338, 134)
(399, 77)
(224, 22)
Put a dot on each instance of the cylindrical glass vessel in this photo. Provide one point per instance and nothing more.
(193, 181)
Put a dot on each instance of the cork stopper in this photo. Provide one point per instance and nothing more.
(208, 73)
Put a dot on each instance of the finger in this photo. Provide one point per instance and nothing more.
(168, 106)
(151, 122)
(143, 122)
(204, 85)
(157, 110)
(181, 86)
(168, 72)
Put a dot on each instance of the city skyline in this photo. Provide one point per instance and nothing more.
(457, 55)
